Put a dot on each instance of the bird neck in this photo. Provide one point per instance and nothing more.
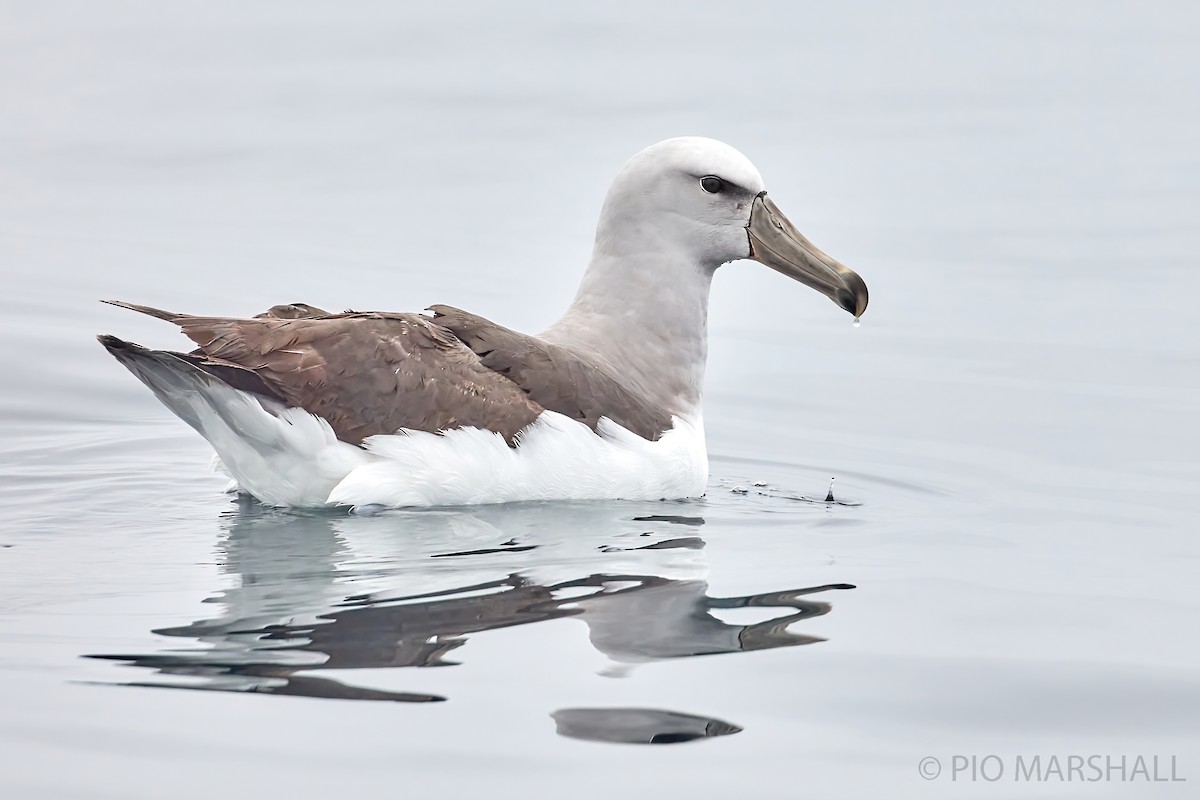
(644, 318)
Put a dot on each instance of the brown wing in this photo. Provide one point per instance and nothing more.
(292, 311)
(364, 373)
(553, 377)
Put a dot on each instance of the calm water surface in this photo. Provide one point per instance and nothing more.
(1010, 563)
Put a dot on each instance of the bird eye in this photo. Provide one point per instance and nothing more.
(712, 184)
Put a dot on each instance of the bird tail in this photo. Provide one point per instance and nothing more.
(283, 456)
(192, 393)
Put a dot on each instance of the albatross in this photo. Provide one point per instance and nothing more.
(307, 408)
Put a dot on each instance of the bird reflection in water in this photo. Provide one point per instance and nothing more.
(298, 606)
(638, 725)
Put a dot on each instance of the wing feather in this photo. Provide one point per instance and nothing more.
(364, 373)
(554, 377)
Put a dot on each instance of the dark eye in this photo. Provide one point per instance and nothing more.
(712, 184)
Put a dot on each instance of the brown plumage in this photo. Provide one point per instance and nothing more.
(369, 373)
(554, 377)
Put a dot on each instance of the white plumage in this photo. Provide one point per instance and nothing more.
(293, 458)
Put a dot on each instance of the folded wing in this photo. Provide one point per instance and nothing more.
(364, 373)
(369, 373)
(554, 377)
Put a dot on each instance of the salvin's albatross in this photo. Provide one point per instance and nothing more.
(309, 408)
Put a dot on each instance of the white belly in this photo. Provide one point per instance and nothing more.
(557, 458)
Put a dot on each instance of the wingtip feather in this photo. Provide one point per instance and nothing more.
(169, 316)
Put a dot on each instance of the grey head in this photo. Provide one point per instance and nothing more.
(676, 212)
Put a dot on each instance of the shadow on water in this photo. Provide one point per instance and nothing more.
(318, 593)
